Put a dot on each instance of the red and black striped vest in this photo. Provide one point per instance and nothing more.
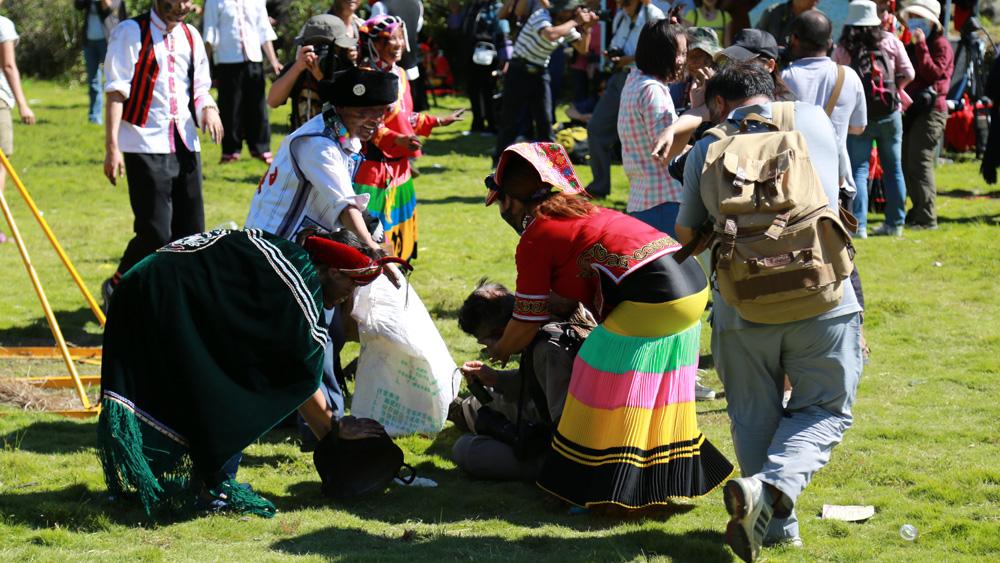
(136, 109)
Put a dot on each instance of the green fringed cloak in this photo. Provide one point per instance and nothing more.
(209, 343)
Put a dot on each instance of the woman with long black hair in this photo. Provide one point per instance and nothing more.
(880, 60)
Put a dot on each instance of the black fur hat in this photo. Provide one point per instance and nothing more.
(360, 87)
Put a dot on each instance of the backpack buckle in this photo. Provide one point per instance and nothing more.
(777, 226)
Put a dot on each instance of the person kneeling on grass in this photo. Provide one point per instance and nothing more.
(628, 434)
(510, 428)
(209, 343)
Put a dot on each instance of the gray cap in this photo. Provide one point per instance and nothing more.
(328, 28)
(703, 38)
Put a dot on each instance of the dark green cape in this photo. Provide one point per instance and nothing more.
(209, 343)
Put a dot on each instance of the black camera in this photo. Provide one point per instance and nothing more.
(528, 440)
(605, 15)
(479, 392)
(609, 64)
(326, 55)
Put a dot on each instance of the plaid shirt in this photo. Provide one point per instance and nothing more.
(646, 110)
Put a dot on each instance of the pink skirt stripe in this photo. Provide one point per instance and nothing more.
(602, 390)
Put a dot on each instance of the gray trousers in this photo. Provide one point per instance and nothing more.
(920, 150)
(602, 132)
(485, 457)
(786, 447)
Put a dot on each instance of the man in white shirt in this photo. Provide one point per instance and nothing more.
(310, 184)
(237, 32)
(157, 95)
(812, 76)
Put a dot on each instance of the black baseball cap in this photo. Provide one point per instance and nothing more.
(751, 43)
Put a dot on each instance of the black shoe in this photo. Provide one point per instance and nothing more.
(107, 288)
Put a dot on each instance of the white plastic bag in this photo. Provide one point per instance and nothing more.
(406, 377)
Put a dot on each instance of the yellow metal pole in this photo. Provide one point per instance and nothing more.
(52, 238)
(53, 324)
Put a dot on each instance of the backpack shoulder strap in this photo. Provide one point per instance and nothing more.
(783, 115)
(835, 94)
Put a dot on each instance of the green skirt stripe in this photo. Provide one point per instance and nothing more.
(615, 353)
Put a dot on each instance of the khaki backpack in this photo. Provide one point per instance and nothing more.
(779, 252)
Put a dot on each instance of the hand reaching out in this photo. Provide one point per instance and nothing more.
(410, 143)
(455, 116)
(478, 371)
(661, 149)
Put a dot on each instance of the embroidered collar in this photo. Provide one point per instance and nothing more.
(335, 126)
(383, 66)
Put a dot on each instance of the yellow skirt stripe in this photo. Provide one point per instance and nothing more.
(601, 429)
(650, 320)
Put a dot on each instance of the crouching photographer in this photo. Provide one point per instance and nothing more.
(511, 414)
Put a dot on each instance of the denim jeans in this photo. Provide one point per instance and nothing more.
(888, 136)
(94, 51)
(663, 217)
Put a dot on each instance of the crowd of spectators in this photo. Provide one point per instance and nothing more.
(658, 81)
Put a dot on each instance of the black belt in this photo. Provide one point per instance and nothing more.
(529, 67)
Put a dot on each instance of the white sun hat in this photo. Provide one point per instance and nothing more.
(927, 9)
(862, 13)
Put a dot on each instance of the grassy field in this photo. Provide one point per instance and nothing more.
(923, 449)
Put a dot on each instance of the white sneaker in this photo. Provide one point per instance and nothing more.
(749, 514)
(886, 230)
(702, 392)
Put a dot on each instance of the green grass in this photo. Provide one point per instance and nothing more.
(923, 449)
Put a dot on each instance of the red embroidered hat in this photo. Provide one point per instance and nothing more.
(349, 260)
(548, 159)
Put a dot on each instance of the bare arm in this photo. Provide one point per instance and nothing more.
(317, 414)
(272, 58)
(114, 163)
(554, 32)
(9, 65)
(281, 88)
(684, 234)
(353, 221)
(516, 336)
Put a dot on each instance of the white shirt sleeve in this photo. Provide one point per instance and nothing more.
(7, 31)
(210, 23)
(321, 162)
(264, 28)
(379, 9)
(202, 77)
(119, 63)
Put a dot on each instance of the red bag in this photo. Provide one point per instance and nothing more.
(960, 130)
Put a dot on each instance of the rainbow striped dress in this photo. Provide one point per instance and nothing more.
(386, 174)
(628, 434)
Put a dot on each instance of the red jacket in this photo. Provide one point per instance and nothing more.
(933, 61)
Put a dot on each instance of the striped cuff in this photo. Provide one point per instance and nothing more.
(531, 308)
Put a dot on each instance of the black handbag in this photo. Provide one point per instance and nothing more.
(923, 101)
(351, 468)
